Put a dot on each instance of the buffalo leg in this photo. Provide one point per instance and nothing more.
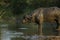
(58, 26)
(39, 29)
(40, 18)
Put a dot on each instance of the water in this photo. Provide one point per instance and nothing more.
(4, 34)
(7, 34)
(23, 28)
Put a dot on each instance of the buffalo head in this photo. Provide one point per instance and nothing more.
(26, 19)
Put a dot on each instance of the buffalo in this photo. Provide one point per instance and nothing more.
(40, 15)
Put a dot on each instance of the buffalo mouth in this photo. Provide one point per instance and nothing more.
(24, 22)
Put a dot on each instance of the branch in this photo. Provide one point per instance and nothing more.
(2, 13)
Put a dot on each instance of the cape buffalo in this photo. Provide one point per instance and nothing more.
(40, 15)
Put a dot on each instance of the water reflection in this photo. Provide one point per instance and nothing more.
(7, 34)
(4, 25)
(23, 28)
(34, 37)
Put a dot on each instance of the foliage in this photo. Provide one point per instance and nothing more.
(19, 6)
